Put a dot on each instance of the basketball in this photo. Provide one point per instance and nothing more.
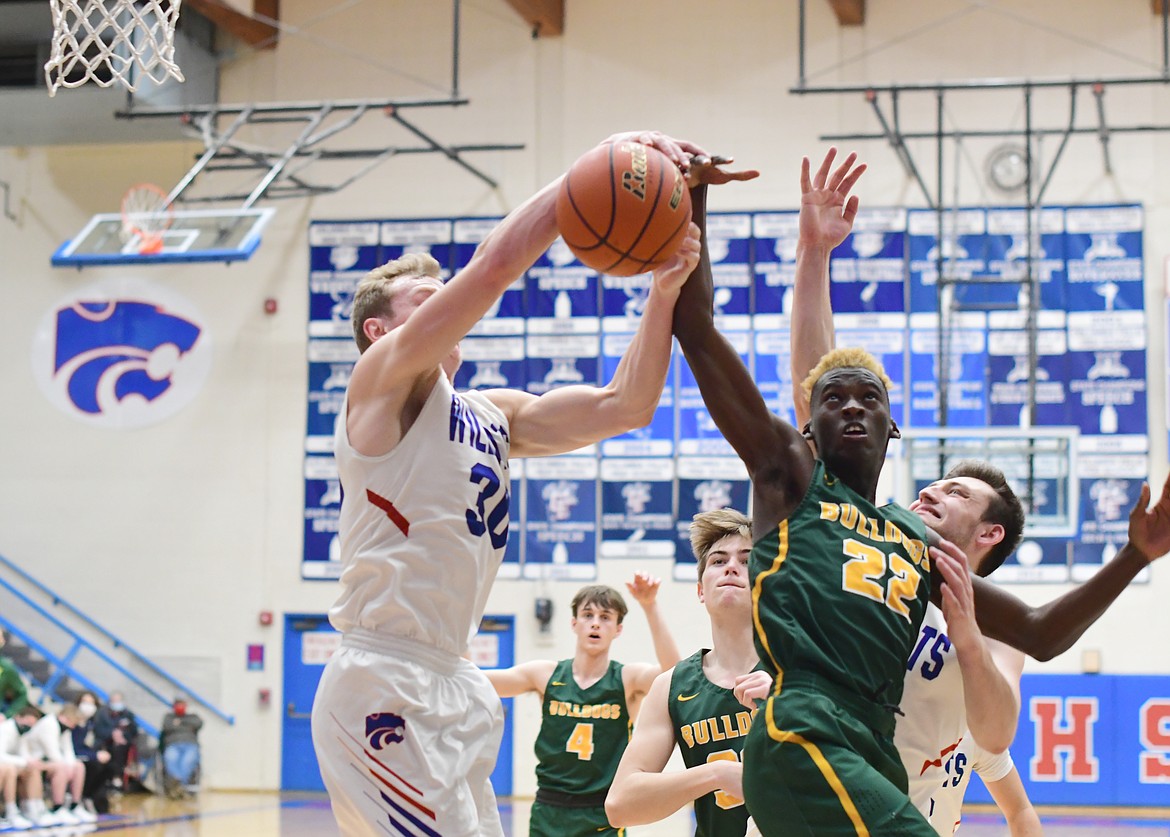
(623, 208)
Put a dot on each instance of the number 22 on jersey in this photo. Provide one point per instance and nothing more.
(865, 570)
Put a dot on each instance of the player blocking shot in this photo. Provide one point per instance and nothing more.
(406, 731)
(839, 584)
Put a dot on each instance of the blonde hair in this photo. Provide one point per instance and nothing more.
(70, 712)
(710, 527)
(845, 358)
(375, 293)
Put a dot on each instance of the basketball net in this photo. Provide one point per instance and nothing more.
(146, 216)
(112, 41)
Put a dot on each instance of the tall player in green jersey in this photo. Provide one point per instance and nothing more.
(839, 586)
(588, 704)
(702, 704)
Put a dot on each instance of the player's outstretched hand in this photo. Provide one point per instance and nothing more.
(1149, 528)
(706, 171)
(958, 594)
(680, 151)
(752, 687)
(827, 209)
(671, 276)
(644, 588)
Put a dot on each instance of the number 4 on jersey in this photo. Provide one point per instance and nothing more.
(581, 742)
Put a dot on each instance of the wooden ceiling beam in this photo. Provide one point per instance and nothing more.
(546, 17)
(256, 29)
(852, 12)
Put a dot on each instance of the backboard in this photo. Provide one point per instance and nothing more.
(1040, 464)
(213, 235)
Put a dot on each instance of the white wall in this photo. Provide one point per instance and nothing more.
(203, 512)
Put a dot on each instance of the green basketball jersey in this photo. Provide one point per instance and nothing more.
(839, 590)
(583, 732)
(709, 724)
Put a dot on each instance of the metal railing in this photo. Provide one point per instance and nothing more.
(63, 664)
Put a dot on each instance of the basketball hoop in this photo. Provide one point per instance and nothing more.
(108, 41)
(146, 216)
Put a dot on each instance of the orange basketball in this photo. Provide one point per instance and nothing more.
(623, 208)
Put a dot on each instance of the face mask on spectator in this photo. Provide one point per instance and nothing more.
(87, 710)
(117, 706)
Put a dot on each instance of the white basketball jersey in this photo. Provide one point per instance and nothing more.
(423, 527)
(935, 718)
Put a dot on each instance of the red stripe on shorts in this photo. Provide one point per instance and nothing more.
(385, 505)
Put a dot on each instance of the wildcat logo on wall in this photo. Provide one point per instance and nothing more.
(121, 354)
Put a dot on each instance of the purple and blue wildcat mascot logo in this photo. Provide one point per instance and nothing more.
(122, 359)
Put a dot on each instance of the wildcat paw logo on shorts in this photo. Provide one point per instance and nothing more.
(384, 728)
(120, 356)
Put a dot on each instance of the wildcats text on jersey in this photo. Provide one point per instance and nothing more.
(467, 430)
(716, 729)
(853, 519)
(604, 711)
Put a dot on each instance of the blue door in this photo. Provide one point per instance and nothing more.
(309, 640)
(495, 647)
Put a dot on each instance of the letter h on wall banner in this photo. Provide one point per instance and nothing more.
(1090, 739)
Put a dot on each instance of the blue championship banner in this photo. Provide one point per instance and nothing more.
(697, 433)
(432, 236)
(705, 484)
(637, 508)
(557, 360)
(560, 526)
(563, 295)
(773, 369)
(1110, 487)
(506, 316)
(867, 270)
(330, 366)
(563, 324)
(964, 354)
(884, 337)
(729, 247)
(960, 250)
(322, 515)
(1008, 256)
(657, 438)
(1008, 369)
(774, 236)
(340, 254)
(492, 362)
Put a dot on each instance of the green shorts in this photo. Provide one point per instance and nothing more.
(820, 761)
(555, 821)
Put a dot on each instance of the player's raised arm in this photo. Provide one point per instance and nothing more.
(641, 792)
(531, 676)
(1049, 630)
(395, 353)
(639, 676)
(827, 211)
(764, 442)
(571, 417)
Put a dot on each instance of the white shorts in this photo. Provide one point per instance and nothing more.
(407, 738)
